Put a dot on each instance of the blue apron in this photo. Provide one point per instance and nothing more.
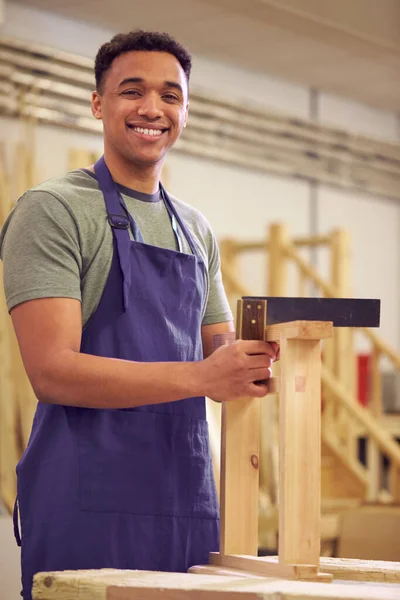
(126, 488)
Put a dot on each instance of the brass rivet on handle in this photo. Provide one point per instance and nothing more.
(248, 306)
(253, 321)
(259, 307)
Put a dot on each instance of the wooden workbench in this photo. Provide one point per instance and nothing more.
(109, 584)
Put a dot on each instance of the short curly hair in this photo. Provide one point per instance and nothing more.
(139, 41)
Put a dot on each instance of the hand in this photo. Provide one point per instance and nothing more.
(232, 370)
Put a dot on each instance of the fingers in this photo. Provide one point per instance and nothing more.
(258, 347)
(260, 374)
(259, 361)
(258, 390)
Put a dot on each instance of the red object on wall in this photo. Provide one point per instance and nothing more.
(363, 369)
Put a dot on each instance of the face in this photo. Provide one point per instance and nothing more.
(143, 105)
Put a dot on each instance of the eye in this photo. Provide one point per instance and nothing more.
(131, 93)
(170, 98)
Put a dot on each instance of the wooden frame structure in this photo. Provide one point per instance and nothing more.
(300, 456)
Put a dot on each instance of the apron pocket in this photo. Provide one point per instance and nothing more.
(140, 462)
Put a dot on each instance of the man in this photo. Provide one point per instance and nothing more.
(115, 293)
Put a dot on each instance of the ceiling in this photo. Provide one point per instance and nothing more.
(345, 47)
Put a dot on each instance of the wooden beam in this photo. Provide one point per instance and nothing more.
(300, 452)
(112, 584)
(240, 446)
(269, 568)
(300, 330)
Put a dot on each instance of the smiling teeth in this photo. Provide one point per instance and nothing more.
(148, 131)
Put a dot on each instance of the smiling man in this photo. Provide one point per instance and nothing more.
(115, 293)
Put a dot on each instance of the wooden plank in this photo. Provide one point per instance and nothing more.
(225, 571)
(362, 570)
(240, 446)
(109, 584)
(351, 569)
(300, 452)
(93, 584)
(301, 330)
(118, 593)
(287, 590)
(268, 568)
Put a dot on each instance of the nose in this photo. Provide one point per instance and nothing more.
(150, 107)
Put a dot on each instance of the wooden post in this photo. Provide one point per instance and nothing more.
(300, 450)
(274, 242)
(375, 401)
(240, 440)
(394, 483)
(343, 351)
(10, 450)
(374, 457)
(277, 264)
(374, 470)
(343, 342)
(277, 283)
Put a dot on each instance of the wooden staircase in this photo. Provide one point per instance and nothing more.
(341, 478)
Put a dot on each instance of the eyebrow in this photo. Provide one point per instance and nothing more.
(171, 84)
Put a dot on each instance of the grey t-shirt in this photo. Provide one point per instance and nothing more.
(57, 242)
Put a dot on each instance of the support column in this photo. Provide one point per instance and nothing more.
(240, 445)
(300, 452)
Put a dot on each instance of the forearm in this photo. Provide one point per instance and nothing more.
(76, 379)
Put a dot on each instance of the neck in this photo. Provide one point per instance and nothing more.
(141, 178)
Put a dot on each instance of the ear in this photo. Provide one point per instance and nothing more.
(186, 115)
(96, 105)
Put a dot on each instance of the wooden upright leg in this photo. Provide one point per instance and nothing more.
(239, 477)
(300, 452)
(299, 469)
(240, 444)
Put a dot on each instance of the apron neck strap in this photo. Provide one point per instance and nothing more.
(119, 223)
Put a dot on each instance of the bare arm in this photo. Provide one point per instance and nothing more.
(208, 332)
(49, 337)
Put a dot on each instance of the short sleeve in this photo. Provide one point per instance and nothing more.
(217, 310)
(40, 249)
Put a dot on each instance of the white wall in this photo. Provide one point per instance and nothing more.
(49, 29)
(239, 202)
(51, 146)
(374, 222)
(10, 573)
(359, 118)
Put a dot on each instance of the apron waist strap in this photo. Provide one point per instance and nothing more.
(17, 534)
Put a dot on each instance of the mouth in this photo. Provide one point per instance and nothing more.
(148, 133)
